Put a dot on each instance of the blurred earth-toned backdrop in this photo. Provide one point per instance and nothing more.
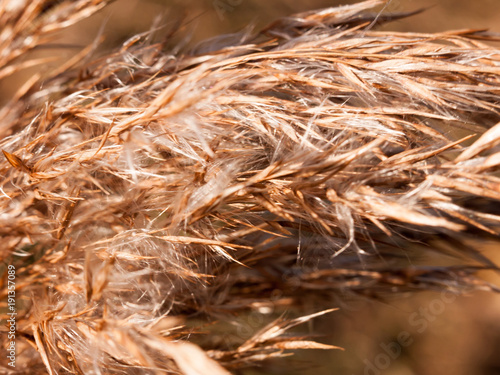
(428, 334)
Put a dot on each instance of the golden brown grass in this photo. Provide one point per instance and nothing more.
(145, 194)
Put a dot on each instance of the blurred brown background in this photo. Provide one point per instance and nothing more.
(459, 336)
(213, 17)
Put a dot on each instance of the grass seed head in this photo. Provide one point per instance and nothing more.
(318, 157)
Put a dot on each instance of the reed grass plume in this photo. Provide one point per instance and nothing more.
(146, 196)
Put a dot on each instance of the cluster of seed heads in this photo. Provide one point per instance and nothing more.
(146, 196)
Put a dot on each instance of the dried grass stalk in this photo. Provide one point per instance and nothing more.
(313, 159)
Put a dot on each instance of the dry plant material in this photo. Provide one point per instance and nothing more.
(142, 191)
